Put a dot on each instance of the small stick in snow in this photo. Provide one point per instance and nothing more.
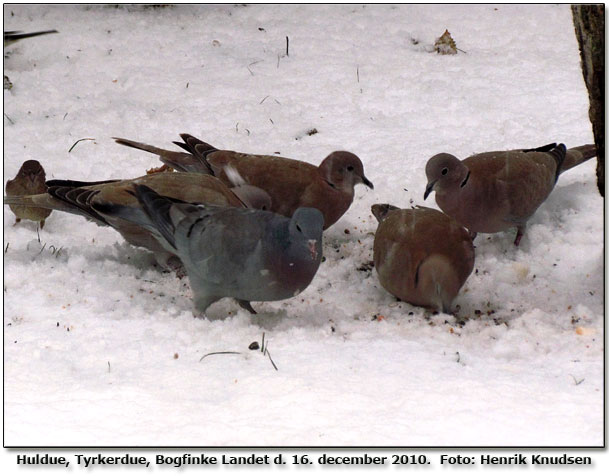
(108, 362)
(9, 119)
(41, 250)
(287, 46)
(218, 353)
(79, 140)
(269, 354)
(6, 249)
(252, 64)
(576, 381)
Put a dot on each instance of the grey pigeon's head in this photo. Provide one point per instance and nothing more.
(443, 172)
(344, 170)
(306, 227)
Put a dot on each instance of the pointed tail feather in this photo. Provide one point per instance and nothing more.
(180, 161)
(158, 209)
(44, 200)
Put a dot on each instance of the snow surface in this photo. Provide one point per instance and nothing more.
(101, 348)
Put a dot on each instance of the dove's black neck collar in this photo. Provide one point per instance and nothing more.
(330, 184)
(466, 179)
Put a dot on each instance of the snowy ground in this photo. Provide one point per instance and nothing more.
(101, 348)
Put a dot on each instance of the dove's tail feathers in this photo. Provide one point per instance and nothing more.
(10, 36)
(158, 209)
(380, 210)
(75, 200)
(75, 183)
(191, 142)
(543, 148)
(50, 202)
(141, 146)
(558, 153)
(179, 161)
(578, 155)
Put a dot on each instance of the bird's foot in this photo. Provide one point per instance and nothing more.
(246, 305)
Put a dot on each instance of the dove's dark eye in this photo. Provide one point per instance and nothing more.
(350, 168)
(444, 171)
(298, 228)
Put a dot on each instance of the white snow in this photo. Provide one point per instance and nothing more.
(101, 348)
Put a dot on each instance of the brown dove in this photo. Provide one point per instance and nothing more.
(421, 255)
(81, 198)
(30, 180)
(290, 183)
(250, 255)
(494, 191)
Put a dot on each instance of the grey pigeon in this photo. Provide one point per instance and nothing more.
(290, 183)
(494, 191)
(250, 255)
(421, 255)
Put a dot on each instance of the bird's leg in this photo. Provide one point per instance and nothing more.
(174, 264)
(41, 224)
(246, 305)
(519, 233)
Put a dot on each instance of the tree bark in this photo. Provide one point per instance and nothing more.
(589, 21)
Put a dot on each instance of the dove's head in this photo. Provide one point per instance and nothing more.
(306, 226)
(33, 170)
(343, 170)
(444, 171)
(380, 210)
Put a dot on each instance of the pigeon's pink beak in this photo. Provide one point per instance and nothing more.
(313, 249)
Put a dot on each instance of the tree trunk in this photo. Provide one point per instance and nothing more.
(589, 21)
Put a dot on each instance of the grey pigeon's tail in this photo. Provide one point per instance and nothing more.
(578, 155)
(158, 210)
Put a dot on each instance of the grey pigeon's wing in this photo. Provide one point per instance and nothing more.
(222, 245)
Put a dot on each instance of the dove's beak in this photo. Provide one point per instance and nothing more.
(313, 249)
(428, 190)
(367, 182)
